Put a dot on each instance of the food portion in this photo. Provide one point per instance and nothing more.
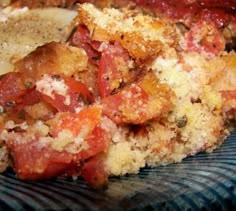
(220, 14)
(122, 90)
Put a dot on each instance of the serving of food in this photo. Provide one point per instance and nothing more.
(113, 87)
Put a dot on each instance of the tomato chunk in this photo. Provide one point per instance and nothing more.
(45, 156)
(11, 88)
(203, 37)
(98, 142)
(229, 103)
(33, 161)
(72, 96)
(87, 119)
(127, 106)
(143, 100)
(113, 69)
(94, 173)
(15, 95)
(81, 38)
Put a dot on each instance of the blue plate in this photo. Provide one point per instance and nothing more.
(202, 182)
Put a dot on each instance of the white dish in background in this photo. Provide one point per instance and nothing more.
(23, 30)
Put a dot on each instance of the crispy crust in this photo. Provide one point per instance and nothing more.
(142, 36)
(52, 58)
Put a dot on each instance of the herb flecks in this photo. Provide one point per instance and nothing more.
(96, 58)
(83, 99)
(28, 85)
(10, 104)
(56, 77)
(181, 121)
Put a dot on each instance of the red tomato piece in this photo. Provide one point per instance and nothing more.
(32, 161)
(141, 101)
(113, 69)
(76, 96)
(11, 88)
(219, 17)
(14, 95)
(127, 106)
(228, 94)
(203, 37)
(36, 158)
(94, 173)
(81, 38)
(86, 119)
(31, 97)
(229, 103)
(98, 141)
(190, 11)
